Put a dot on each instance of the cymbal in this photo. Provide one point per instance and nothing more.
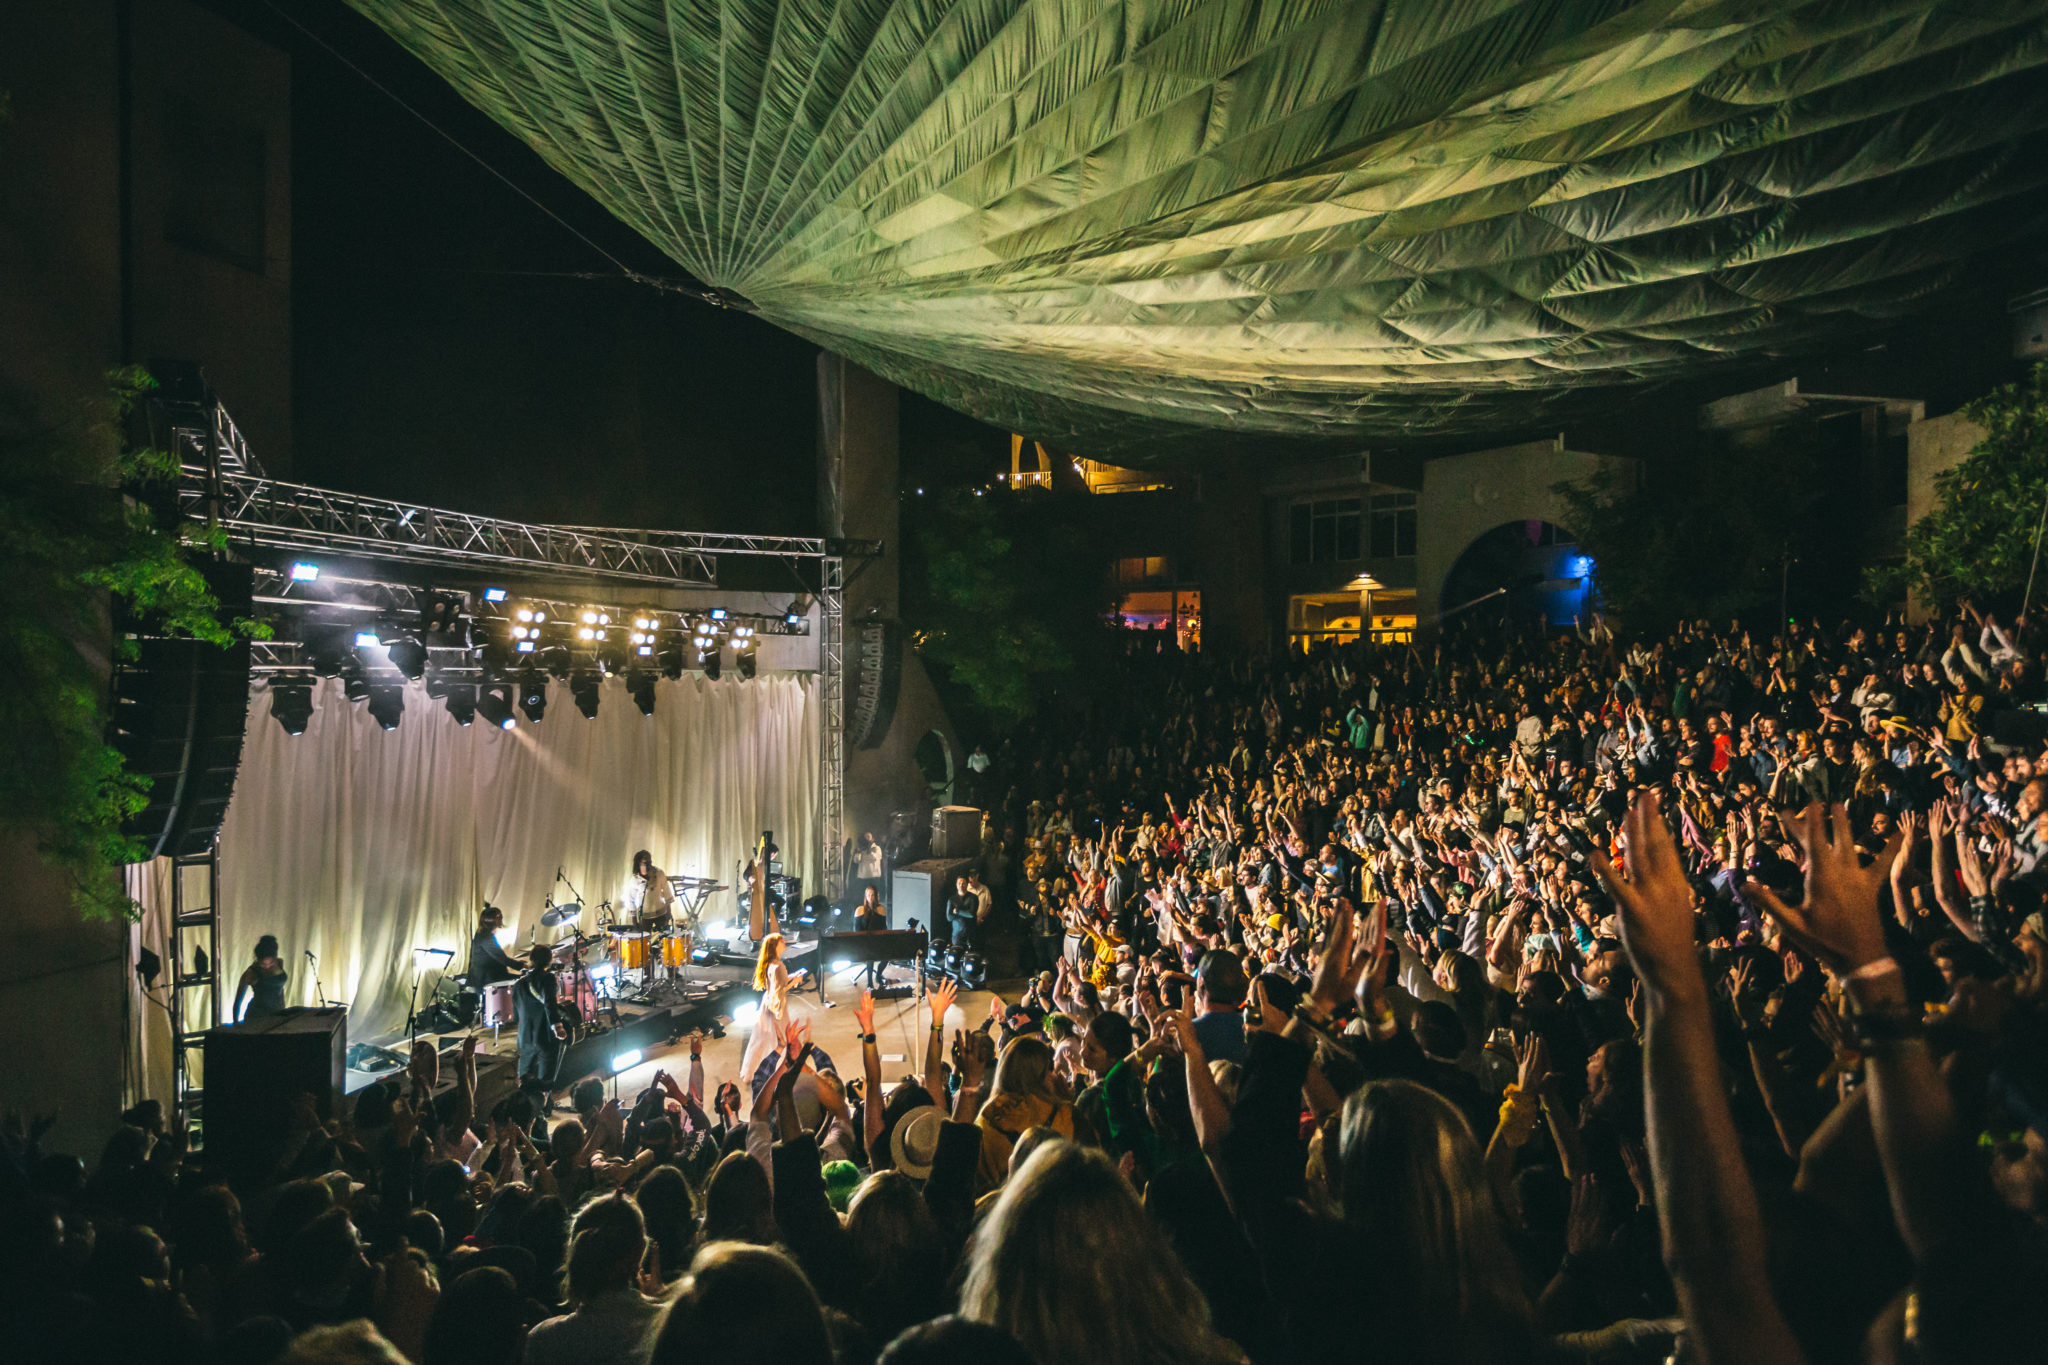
(568, 912)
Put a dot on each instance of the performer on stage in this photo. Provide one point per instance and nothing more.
(771, 1024)
(489, 963)
(869, 916)
(540, 1036)
(649, 895)
(262, 984)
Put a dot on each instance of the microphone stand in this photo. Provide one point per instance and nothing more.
(319, 994)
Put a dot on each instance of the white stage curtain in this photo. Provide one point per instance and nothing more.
(360, 844)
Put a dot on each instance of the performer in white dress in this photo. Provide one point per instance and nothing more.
(771, 1024)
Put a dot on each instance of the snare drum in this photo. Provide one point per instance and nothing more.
(632, 945)
(498, 1005)
(675, 950)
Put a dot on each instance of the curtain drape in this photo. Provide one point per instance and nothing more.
(359, 844)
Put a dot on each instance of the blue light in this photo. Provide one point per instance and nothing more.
(303, 572)
(718, 613)
(494, 594)
(367, 639)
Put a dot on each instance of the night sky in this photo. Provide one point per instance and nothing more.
(444, 353)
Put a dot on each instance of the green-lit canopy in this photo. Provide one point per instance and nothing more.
(1362, 218)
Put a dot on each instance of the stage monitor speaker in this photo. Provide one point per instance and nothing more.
(956, 832)
(254, 1073)
(919, 890)
(180, 707)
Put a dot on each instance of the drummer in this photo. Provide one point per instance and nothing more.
(489, 963)
(649, 896)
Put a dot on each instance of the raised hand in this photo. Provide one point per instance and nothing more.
(942, 997)
(1838, 919)
(864, 1012)
(1654, 900)
(1532, 1064)
(1343, 961)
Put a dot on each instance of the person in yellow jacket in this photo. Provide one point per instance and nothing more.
(1026, 1094)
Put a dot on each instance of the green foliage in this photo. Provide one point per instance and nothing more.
(1711, 531)
(1007, 595)
(1978, 540)
(72, 545)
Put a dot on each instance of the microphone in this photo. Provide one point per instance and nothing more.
(436, 952)
(310, 957)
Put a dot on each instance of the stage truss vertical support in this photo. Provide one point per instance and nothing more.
(832, 696)
(195, 992)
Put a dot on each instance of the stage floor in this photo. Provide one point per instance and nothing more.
(901, 1025)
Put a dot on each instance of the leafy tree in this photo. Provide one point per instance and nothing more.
(1979, 539)
(1006, 595)
(73, 550)
(1723, 528)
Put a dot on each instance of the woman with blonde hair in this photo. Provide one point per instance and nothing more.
(771, 1022)
(1025, 1094)
(1069, 1265)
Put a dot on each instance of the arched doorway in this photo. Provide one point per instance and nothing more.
(1523, 573)
(935, 760)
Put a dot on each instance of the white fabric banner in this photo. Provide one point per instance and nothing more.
(360, 844)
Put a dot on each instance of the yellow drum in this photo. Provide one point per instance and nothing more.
(675, 950)
(632, 950)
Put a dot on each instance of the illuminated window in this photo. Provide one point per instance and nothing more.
(1150, 569)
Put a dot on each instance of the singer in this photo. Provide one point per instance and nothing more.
(260, 992)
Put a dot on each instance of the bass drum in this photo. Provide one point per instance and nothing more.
(632, 950)
(575, 991)
(497, 1005)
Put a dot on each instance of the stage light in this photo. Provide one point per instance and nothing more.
(589, 618)
(525, 646)
(520, 632)
(494, 594)
(291, 703)
(712, 665)
(325, 654)
(792, 618)
(387, 704)
(367, 639)
(646, 651)
(626, 1060)
(494, 704)
(409, 657)
(840, 964)
(461, 704)
(583, 686)
(603, 971)
(744, 1013)
(744, 661)
(354, 685)
(533, 698)
(303, 572)
(718, 613)
(604, 618)
(672, 661)
(641, 685)
(524, 614)
(974, 971)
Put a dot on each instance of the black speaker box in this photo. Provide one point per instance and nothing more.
(254, 1073)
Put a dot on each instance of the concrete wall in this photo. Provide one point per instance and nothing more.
(1932, 445)
(77, 300)
(1464, 496)
(859, 498)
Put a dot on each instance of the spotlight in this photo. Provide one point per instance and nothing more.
(840, 964)
(589, 617)
(303, 572)
(672, 661)
(354, 685)
(326, 655)
(744, 1013)
(524, 646)
(744, 661)
(387, 704)
(973, 971)
(291, 702)
(642, 686)
(626, 1060)
(368, 639)
(718, 613)
(494, 704)
(792, 618)
(494, 594)
(603, 971)
(711, 665)
(583, 686)
(523, 614)
(461, 704)
(409, 657)
(533, 697)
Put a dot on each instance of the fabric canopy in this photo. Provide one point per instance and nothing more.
(360, 844)
(1111, 223)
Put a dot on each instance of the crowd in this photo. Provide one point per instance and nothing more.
(1565, 997)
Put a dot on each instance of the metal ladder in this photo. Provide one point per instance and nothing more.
(195, 1000)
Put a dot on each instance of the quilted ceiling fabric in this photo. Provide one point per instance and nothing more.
(1121, 225)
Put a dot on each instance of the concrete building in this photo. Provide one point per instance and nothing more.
(145, 211)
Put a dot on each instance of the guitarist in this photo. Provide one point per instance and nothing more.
(541, 1035)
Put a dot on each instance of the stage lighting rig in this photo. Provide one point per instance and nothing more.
(291, 703)
(584, 686)
(461, 703)
(641, 684)
(408, 656)
(494, 704)
(743, 643)
(387, 704)
(355, 685)
(533, 697)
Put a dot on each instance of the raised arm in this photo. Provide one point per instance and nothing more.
(871, 1073)
(942, 998)
(1712, 1229)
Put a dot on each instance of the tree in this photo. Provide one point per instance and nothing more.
(74, 548)
(1979, 540)
(1724, 529)
(1006, 595)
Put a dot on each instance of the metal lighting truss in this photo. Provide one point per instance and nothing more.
(221, 485)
